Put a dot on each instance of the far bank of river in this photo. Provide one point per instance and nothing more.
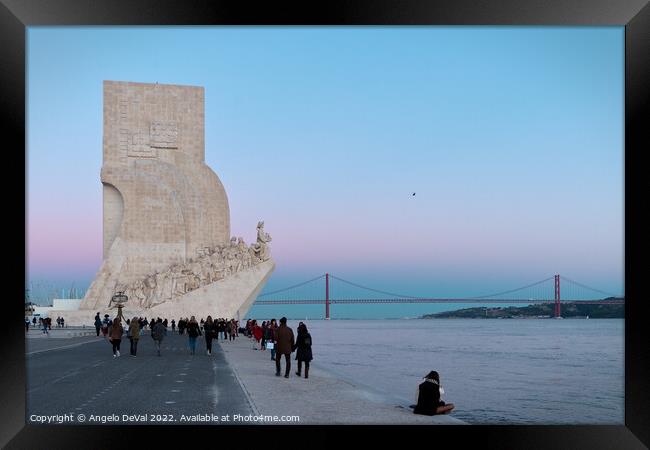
(541, 311)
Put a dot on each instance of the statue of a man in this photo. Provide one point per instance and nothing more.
(149, 290)
(178, 280)
(261, 248)
(138, 292)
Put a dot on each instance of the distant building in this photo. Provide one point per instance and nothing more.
(60, 305)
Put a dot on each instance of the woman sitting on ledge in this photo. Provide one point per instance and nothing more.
(429, 402)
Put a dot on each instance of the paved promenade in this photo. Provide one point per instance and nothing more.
(320, 399)
(76, 376)
(79, 376)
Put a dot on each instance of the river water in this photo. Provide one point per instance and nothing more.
(496, 371)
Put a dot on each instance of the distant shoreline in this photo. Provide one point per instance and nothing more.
(569, 310)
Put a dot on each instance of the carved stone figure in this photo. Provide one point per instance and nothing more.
(205, 274)
(140, 296)
(260, 248)
(178, 281)
(165, 292)
(149, 290)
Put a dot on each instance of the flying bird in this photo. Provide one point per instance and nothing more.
(413, 195)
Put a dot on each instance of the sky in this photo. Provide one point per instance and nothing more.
(511, 138)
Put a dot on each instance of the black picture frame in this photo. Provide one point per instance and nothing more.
(16, 15)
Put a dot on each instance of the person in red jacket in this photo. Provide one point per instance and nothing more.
(257, 332)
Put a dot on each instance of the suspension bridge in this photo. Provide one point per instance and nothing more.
(328, 290)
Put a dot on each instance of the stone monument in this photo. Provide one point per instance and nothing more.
(166, 228)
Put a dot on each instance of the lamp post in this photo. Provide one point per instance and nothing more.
(120, 298)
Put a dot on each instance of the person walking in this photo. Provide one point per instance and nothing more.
(257, 334)
(284, 346)
(264, 335)
(115, 332)
(219, 329)
(209, 331)
(134, 335)
(158, 333)
(105, 324)
(27, 324)
(273, 327)
(173, 326)
(303, 347)
(193, 331)
(226, 329)
(233, 329)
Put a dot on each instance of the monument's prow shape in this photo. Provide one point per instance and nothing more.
(166, 221)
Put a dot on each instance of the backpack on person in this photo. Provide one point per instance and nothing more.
(157, 332)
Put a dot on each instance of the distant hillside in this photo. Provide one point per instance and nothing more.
(532, 311)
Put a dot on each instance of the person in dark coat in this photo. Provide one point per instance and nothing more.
(303, 347)
(429, 402)
(284, 346)
(210, 330)
(193, 331)
(98, 323)
(157, 334)
(264, 336)
(272, 328)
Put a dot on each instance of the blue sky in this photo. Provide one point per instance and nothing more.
(511, 137)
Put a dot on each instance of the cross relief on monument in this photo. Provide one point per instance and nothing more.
(159, 134)
(139, 145)
(164, 134)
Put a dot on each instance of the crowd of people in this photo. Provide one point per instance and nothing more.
(44, 323)
(270, 335)
(133, 329)
(280, 340)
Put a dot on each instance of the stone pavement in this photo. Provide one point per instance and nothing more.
(80, 376)
(321, 399)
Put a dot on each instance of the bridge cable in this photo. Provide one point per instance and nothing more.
(587, 287)
(512, 290)
(291, 287)
(375, 290)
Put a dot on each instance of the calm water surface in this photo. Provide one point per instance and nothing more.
(541, 371)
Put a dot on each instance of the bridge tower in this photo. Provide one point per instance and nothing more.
(557, 297)
(327, 296)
